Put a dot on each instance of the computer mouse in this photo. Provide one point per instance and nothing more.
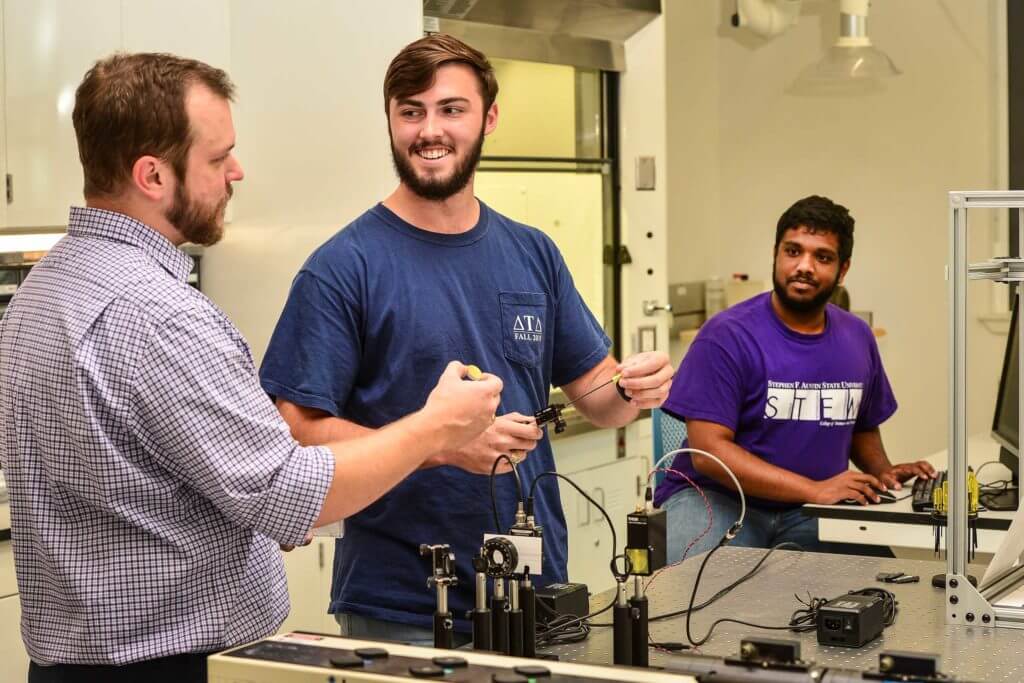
(883, 498)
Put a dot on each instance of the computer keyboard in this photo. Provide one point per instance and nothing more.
(922, 500)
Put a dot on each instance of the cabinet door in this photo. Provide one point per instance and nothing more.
(48, 47)
(306, 569)
(3, 137)
(12, 648)
(614, 487)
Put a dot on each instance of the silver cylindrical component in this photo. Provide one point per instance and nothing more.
(442, 597)
(620, 594)
(513, 594)
(481, 591)
(499, 588)
(853, 26)
(638, 586)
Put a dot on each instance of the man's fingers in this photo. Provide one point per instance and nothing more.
(891, 480)
(870, 480)
(455, 369)
(512, 427)
(652, 380)
(506, 445)
(869, 491)
(642, 364)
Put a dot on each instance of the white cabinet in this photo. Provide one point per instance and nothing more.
(590, 460)
(48, 46)
(309, 587)
(614, 487)
(12, 649)
(3, 140)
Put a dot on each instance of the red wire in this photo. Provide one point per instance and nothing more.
(711, 519)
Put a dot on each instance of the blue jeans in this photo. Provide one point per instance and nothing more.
(367, 628)
(763, 527)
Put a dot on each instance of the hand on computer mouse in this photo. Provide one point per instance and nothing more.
(859, 487)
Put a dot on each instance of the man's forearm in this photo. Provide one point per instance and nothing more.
(362, 474)
(313, 427)
(757, 477)
(868, 453)
(606, 409)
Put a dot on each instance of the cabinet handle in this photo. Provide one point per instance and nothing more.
(320, 554)
(10, 188)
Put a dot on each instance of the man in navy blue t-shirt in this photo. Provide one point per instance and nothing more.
(429, 275)
(786, 389)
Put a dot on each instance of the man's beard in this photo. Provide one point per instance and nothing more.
(198, 223)
(812, 305)
(437, 189)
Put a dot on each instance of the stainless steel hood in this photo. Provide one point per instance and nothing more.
(586, 33)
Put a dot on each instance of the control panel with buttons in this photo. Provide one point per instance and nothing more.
(299, 657)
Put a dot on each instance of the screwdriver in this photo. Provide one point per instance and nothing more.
(613, 380)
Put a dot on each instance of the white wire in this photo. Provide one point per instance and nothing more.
(691, 451)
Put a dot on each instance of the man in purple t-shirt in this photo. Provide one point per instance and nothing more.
(786, 389)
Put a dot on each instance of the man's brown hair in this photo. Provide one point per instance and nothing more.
(414, 69)
(133, 105)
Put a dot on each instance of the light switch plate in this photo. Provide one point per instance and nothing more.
(645, 173)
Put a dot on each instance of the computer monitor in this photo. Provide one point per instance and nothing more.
(1005, 423)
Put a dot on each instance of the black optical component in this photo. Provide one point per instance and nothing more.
(501, 557)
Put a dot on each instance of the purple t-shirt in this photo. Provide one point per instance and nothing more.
(794, 400)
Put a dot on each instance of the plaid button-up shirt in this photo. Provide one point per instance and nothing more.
(151, 478)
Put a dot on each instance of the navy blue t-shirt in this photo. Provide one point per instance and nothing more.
(371, 321)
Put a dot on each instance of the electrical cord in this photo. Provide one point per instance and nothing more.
(696, 539)
(731, 533)
(696, 584)
(566, 628)
(494, 498)
(802, 620)
(560, 629)
(627, 568)
(977, 473)
(548, 637)
(788, 545)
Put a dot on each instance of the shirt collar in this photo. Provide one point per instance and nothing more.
(117, 227)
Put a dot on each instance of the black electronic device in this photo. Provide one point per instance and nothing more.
(646, 545)
(553, 413)
(922, 495)
(884, 498)
(851, 620)
(1005, 427)
(564, 599)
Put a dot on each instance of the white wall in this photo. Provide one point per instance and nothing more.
(742, 150)
(312, 138)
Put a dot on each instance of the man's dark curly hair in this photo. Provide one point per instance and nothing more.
(819, 214)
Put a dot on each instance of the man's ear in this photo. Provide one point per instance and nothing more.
(152, 177)
(491, 119)
(842, 271)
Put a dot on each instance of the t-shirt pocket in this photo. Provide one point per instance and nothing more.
(523, 326)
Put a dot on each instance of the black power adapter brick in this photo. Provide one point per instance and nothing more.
(851, 620)
(563, 599)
